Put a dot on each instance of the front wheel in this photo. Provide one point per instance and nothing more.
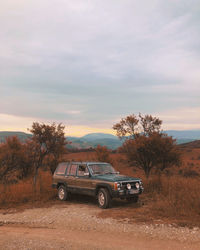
(62, 193)
(103, 198)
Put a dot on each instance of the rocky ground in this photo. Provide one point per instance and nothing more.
(72, 225)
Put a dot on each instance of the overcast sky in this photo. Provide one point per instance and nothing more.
(88, 63)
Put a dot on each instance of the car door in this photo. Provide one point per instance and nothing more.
(59, 175)
(71, 178)
(83, 180)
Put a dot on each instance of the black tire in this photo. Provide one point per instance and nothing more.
(62, 193)
(133, 199)
(103, 198)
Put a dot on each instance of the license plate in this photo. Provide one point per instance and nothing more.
(134, 191)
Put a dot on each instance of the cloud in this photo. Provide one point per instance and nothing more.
(185, 118)
(15, 123)
(89, 63)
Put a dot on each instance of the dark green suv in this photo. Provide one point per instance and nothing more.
(96, 179)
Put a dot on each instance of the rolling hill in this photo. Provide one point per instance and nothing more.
(94, 139)
(109, 140)
(193, 144)
(21, 135)
(184, 134)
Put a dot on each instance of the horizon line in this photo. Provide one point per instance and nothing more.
(84, 134)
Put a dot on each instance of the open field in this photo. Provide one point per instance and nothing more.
(169, 204)
(171, 198)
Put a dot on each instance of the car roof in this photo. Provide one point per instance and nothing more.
(85, 162)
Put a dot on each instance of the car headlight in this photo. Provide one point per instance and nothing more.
(128, 186)
(137, 185)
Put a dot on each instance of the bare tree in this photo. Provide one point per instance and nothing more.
(132, 126)
(149, 124)
(128, 126)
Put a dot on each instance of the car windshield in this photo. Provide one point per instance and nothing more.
(101, 169)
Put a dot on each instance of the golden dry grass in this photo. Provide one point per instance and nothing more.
(175, 196)
(169, 199)
(24, 191)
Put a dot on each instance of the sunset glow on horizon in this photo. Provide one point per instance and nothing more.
(21, 124)
(87, 64)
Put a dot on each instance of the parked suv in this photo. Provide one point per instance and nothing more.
(96, 179)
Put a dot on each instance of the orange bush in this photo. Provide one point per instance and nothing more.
(103, 154)
(23, 191)
(175, 196)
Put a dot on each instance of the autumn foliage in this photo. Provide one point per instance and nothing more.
(168, 194)
(44, 149)
(102, 154)
(47, 143)
(14, 160)
(145, 145)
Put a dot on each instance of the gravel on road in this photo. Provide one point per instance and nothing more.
(77, 226)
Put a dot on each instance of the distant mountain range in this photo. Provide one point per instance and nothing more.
(21, 135)
(193, 144)
(94, 139)
(109, 140)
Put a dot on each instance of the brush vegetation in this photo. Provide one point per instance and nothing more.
(171, 192)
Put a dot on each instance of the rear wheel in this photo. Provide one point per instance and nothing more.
(62, 193)
(103, 197)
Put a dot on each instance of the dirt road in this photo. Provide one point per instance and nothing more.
(77, 226)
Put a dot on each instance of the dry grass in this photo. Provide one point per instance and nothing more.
(170, 199)
(24, 191)
(173, 200)
(175, 197)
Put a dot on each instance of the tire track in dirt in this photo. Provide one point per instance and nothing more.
(76, 226)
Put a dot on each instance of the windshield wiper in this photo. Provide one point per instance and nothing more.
(97, 172)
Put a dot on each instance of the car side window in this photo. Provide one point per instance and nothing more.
(68, 170)
(61, 169)
(73, 170)
(82, 170)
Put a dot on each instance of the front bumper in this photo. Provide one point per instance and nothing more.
(126, 193)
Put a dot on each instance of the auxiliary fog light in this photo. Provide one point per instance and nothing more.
(128, 186)
(137, 185)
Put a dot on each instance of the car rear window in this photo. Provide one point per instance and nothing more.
(61, 168)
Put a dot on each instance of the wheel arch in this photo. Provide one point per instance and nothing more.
(103, 185)
(61, 184)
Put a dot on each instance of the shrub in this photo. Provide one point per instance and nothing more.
(23, 191)
(145, 145)
(189, 173)
(175, 197)
(14, 161)
(103, 154)
(47, 140)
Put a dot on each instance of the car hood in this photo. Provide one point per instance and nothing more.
(115, 178)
